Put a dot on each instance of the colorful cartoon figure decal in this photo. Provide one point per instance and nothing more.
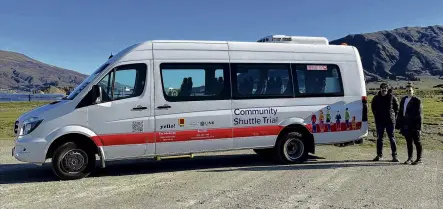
(338, 121)
(354, 124)
(328, 118)
(314, 120)
(347, 117)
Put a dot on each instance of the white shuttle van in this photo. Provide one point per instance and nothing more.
(175, 98)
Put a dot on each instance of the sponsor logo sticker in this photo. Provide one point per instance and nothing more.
(181, 122)
(167, 126)
(317, 67)
(206, 123)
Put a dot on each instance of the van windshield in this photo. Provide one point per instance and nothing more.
(85, 83)
(89, 79)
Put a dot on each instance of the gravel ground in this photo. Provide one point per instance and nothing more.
(336, 178)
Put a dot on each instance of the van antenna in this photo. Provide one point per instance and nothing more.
(110, 56)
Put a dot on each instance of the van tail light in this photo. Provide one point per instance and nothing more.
(364, 100)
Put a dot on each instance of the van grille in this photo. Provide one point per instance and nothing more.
(16, 127)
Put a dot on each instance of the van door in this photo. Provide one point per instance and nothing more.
(192, 106)
(123, 120)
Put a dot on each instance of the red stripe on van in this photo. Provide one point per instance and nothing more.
(124, 139)
(256, 131)
(97, 141)
(188, 135)
(210, 134)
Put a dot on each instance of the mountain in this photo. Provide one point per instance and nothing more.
(21, 73)
(403, 52)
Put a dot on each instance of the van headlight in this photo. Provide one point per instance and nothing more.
(30, 125)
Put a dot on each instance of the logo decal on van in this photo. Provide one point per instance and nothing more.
(181, 122)
(206, 123)
(167, 126)
(332, 121)
(202, 123)
(317, 67)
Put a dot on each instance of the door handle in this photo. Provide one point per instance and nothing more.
(165, 106)
(139, 108)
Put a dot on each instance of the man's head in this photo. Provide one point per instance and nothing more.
(384, 89)
(410, 89)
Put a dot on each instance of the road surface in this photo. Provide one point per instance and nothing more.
(337, 178)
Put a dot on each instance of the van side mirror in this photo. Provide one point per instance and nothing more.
(96, 94)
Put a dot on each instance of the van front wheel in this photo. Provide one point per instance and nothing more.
(291, 148)
(71, 161)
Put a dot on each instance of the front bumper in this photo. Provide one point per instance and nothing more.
(31, 150)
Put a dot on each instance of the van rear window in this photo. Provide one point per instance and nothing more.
(195, 81)
(313, 80)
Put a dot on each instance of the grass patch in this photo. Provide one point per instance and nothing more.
(9, 112)
(432, 133)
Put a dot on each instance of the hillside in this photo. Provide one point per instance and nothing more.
(402, 52)
(21, 73)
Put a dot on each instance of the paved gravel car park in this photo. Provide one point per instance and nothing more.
(334, 178)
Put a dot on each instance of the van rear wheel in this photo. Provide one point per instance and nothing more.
(291, 148)
(70, 161)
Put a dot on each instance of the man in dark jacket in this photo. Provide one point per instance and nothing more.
(385, 107)
(409, 122)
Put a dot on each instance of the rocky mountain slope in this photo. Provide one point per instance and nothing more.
(21, 73)
(402, 52)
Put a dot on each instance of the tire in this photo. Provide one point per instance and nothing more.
(70, 161)
(263, 152)
(291, 148)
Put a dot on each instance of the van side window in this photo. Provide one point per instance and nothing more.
(259, 81)
(195, 81)
(124, 82)
(317, 80)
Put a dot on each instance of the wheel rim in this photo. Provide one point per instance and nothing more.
(293, 149)
(74, 161)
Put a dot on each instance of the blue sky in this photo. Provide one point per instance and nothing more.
(80, 35)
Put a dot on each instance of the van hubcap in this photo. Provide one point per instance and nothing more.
(293, 149)
(74, 161)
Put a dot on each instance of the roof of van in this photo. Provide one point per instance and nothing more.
(238, 45)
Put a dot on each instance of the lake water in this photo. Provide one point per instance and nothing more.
(25, 97)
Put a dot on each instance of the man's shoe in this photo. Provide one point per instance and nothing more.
(408, 161)
(395, 160)
(417, 162)
(378, 158)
